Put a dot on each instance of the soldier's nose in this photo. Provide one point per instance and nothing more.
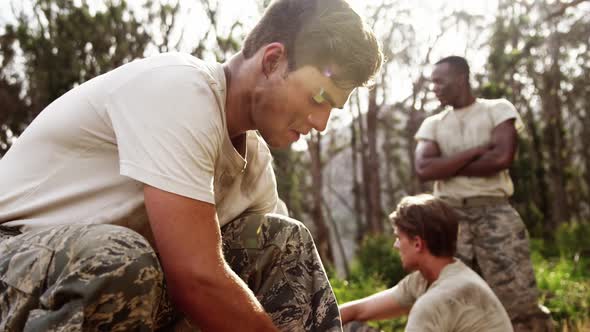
(319, 120)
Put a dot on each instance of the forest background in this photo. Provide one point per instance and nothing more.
(343, 183)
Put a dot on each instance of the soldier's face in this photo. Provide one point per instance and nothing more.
(290, 104)
(445, 84)
(407, 250)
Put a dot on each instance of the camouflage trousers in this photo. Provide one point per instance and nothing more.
(108, 278)
(494, 241)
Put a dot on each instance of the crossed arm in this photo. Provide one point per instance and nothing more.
(479, 161)
(199, 281)
(378, 306)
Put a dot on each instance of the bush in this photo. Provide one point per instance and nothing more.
(347, 291)
(563, 278)
(363, 286)
(377, 257)
(572, 239)
(565, 290)
(376, 267)
(563, 275)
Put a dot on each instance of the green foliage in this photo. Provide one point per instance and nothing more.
(362, 286)
(572, 239)
(526, 188)
(62, 44)
(356, 288)
(563, 278)
(69, 44)
(376, 267)
(565, 288)
(377, 257)
(492, 90)
(537, 61)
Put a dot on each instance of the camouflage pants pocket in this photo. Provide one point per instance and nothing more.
(23, 273)
(79, 278)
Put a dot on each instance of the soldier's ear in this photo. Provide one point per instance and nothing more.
(419, 244)
(273, 55)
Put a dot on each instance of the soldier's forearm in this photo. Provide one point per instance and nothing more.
(440, 168)
(209, 304)
(488, 164)
(348, 312)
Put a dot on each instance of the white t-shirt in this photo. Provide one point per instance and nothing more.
(458, 301)
(458, 130)
(159, 121)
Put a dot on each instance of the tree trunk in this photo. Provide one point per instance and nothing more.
(541, 194)
(374, 212)
(338, 239)
(554, 136)
(356, 186)
(322, 230)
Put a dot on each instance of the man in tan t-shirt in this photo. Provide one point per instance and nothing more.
(144, 194)
(467, 151)
(442, 294)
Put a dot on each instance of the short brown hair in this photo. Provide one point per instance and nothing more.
(320, 33)
(431, 219)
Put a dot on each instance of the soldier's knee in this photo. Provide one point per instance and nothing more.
(284, 221)
(102, 236)
(289, 225)
(116, 245)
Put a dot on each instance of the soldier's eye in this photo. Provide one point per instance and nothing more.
(319, 97)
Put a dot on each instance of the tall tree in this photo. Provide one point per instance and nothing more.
(62, 44)
(535, 61)
(314, 145)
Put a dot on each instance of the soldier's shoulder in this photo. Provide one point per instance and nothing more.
(496, 103)
(438, 116)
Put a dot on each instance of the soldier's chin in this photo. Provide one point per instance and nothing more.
(278, 143)
(407, 268)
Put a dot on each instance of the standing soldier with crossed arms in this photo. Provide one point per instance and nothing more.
(467, 151)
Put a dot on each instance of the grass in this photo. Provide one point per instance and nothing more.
(563, 278)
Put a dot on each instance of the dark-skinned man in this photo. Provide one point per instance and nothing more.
(467, 150)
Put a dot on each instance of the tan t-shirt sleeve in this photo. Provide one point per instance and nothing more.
(427, 130)
(503, 110)
(407, 291)
(168, 127)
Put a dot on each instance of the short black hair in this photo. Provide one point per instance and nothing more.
(458, 63)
